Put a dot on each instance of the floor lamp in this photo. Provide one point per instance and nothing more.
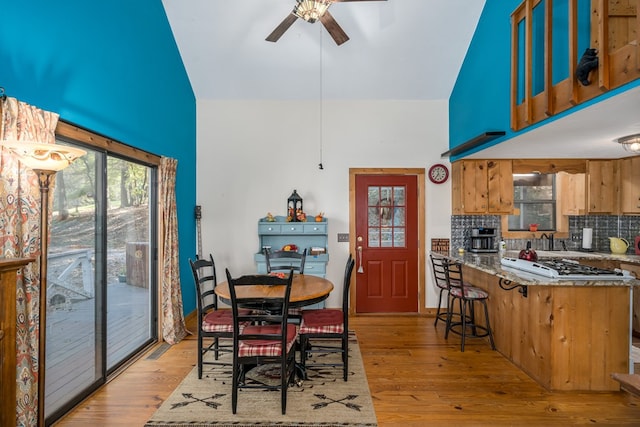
(45, 160)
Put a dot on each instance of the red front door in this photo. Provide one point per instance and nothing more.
(386, 243)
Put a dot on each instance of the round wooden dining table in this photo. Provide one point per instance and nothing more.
(305, 290)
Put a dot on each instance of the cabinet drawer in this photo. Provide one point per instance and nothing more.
(315, 268)
(292, 228)
(269, 229)
(315, 228)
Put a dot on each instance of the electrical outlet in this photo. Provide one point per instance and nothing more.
(575, 237)
(343, 237)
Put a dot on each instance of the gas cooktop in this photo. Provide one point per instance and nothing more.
(565, 269)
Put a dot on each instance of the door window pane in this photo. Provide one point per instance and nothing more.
(386, 216)
(72, 359)
(128, 262)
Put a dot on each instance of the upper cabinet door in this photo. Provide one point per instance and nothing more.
(500, 186)
(474, 186)
(630, 185)
(602, 188)
(482, 187)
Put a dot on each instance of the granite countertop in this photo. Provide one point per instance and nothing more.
(490, 263)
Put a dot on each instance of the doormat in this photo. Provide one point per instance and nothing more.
(323, 399)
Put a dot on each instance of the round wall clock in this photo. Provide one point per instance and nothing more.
(438, 173)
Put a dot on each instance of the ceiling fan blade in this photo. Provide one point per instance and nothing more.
(338, 34)
(280, 29)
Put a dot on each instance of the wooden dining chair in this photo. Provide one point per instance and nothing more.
(213, 325)
(268, 339)
(328, 324)
(293, 259)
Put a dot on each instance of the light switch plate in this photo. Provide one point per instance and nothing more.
(343, 237)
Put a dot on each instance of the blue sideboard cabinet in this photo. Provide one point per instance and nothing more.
(306, 235)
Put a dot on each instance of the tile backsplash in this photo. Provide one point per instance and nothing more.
(604, 226)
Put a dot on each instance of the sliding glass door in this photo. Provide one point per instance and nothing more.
(101, 294)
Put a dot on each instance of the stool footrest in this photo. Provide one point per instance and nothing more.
(485, 332)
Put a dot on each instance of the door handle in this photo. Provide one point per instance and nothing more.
(360, 269)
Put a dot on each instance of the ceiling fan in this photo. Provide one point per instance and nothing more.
(312, 11)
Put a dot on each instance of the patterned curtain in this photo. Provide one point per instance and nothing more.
(173, 325)
(20, 238)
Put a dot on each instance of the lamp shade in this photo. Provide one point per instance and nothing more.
(44, 157)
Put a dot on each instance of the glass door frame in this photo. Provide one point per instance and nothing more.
(100, 321)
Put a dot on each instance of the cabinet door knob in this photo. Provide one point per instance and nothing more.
(270, 229)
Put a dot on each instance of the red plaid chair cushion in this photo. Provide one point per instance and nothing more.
(470, 292)
(294, 311)
(324, 321)
(219, 321)
(249, 348)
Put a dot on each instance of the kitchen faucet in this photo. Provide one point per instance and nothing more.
(550, 238)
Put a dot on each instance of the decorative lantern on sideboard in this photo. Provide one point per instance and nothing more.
(294, 206)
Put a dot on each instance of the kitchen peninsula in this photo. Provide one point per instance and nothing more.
(565, 334)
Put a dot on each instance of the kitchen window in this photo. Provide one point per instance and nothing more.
(534, 200)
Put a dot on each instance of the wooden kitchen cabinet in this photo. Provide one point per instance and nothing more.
(482, 187)
(500, 179)
(456, 189)
(630, 185)
(635, 314)
(564, 337)
(8, 272)
(571, 197)
(602, 186)
(635, 271)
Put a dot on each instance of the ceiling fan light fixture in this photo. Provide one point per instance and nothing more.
(311, 10)
(630, 143)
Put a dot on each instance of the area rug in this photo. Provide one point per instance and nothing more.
(323, 399)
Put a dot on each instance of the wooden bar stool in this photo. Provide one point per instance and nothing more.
(467, 296)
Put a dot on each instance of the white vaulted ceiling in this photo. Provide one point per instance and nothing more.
(398, 49)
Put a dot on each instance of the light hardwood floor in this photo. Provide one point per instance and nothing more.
(416, 378)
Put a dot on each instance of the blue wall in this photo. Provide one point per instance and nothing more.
(480, 100)
(112, 67)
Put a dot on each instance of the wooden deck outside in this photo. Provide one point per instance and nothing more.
(71, 339)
